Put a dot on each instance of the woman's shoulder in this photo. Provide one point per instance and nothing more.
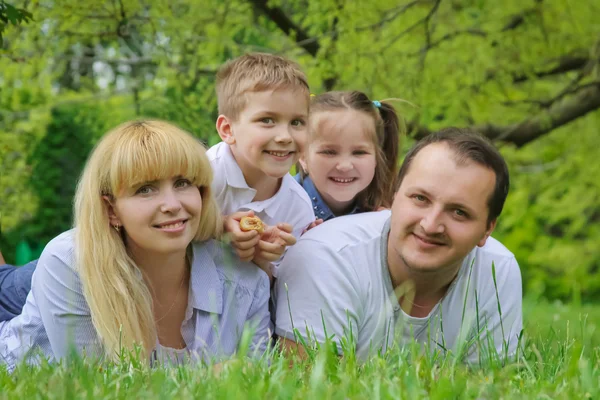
(228, 266)
(62, 248)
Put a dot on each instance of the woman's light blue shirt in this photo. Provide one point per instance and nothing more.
(225, 295)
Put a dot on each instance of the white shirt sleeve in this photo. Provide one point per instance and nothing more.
(502, 314)
(63, 309)
(317, 295)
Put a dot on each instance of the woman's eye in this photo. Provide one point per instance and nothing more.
(183, 183)
(146, 189)
(420, 198)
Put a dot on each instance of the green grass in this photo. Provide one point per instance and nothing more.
(561, 360)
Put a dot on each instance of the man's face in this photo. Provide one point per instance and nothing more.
(270, 133)
(440, 211)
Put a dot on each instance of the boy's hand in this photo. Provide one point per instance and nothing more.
(244, 243)
(273, 242)
(272, 245)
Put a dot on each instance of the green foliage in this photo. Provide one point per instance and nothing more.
(551, 220)
(466, 63)
(560, 361)
(12, 15)
(57, 161)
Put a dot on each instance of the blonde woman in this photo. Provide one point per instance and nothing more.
(141, 266)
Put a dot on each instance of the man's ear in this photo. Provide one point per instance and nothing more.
(225, 129)
(488, 232)
(112, 216)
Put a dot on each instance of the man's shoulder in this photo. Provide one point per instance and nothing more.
(493, 249)
(492, 258)
(349, 230)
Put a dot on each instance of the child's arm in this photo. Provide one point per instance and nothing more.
(244, 243)
(272, 245)
(274, 240)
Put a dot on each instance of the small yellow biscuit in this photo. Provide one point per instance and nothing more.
(252, 224)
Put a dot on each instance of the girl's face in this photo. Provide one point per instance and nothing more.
(159, 217)
(341, 158)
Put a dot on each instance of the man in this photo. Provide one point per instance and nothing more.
(428, 270)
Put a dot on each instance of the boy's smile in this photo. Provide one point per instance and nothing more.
(269, 134)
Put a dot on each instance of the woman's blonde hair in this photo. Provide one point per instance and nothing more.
(120, 301)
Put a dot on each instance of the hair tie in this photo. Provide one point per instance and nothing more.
(376, 104)
(312, 95)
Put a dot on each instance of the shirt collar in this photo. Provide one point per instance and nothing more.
(320, 208)
(235, 178)
(233, 172)
(206, 288)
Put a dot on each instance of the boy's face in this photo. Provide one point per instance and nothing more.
(269, 134)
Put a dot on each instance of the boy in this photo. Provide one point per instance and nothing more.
(263, 105)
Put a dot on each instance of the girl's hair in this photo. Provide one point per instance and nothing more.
(386, 138)
(120, 301)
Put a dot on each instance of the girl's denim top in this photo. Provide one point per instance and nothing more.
(320, 208)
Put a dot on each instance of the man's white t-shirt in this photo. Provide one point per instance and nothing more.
(290, 204)
(337, 274)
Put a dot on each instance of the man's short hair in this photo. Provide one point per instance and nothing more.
(255, 72)
(468, 146)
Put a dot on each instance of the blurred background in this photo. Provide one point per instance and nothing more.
(525, 73)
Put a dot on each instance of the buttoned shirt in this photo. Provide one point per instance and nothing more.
(290, 204)
(320, 208)
(224, 297)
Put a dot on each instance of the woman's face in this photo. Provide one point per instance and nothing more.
(158, 217)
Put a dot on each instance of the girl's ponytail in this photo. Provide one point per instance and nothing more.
(390, 143)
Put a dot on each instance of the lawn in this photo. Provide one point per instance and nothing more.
(561, 360)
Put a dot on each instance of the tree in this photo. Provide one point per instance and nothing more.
(524, 72)
(57, 161)
(11, 15)
(498, 31)
(531, 66)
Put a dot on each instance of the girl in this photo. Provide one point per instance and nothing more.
(350, 163)
(141, 267)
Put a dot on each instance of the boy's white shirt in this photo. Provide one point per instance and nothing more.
(290, 204)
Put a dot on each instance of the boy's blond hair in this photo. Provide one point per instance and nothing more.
(255, 72)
